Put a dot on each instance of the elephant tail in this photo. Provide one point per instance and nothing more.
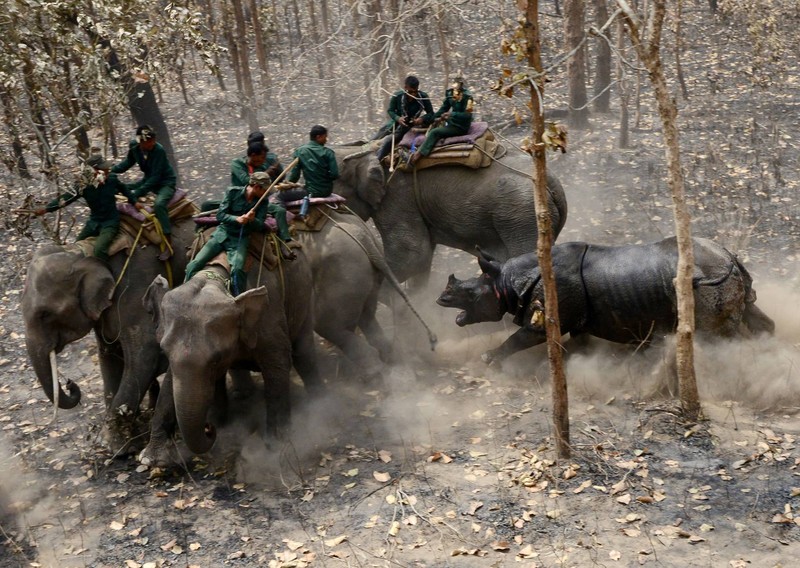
(379, 262)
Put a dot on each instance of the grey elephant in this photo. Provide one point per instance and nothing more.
(205, 332)
(348, 266)
(623, 294)
(491, 208)
(68, 295)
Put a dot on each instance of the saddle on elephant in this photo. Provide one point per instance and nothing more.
(263, 247)
(316, 218)
(132, 221)
(475, 149)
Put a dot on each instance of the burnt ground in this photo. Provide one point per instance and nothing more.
(448, 462)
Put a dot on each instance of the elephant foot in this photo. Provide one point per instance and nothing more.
(159, 453)
(120, 440)
(489, 358)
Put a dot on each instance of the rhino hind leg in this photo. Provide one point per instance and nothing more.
(757, 321)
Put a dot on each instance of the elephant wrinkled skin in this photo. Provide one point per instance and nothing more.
(68, 295)
(348, 266)
(205, 332)
(491, 208)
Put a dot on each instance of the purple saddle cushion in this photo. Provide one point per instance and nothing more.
(476, 130)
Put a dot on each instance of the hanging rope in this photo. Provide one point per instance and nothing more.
(128, 260)
(164, 245)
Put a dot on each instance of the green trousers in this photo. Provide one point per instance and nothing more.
(437, 134)
(237, 255)
(105, 236)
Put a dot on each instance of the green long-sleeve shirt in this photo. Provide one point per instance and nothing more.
(459, 117)
(234, 205)
(318, 165)
(240, 169)
(402, 105)
(154, 164)
(101, 200)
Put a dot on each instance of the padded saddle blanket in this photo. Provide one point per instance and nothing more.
(131, 219)
(474, 149)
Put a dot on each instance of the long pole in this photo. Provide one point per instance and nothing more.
(277, 179)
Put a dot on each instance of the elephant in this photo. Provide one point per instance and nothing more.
(623, 294)
(348, 266)
(205, 332)
(67, 295)
(452, 205)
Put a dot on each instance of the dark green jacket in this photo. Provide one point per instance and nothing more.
(318, 166)
(156, 168)
(459, 116)
(234, 205)
(101, 200)
(240, 170)
(401, 105)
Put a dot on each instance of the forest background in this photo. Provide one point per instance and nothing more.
(471, 481)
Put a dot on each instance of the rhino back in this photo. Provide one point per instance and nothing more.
(630, 291)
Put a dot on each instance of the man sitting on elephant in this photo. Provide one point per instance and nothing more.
(457, 113)
(408, 107)
(318, 165)
(238, 217)
(99, 192)
(159, 178)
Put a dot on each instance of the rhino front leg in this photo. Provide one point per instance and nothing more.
(523, 338)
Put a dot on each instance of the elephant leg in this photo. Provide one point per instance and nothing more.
(304, 359)
(275, 367)
(520, 340)
(363, 356)
(371, 328)
(112, 365)
(408, 248)
(160, 450)
(141, 369)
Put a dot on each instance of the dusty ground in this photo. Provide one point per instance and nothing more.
(450, 463)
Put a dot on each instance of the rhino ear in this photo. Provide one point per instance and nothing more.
(95, 288)
(490, 267)
(251, 305)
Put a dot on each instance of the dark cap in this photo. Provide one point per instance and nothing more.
(144, 133)
(98, 162)
(261, 179)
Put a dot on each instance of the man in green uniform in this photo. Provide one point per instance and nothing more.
(318, 166)
(408, 107)
(258, 159)
(238, 218)
(457, 112)
(99, 193)
(159, 178)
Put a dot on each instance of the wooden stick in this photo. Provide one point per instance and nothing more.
(277, 179)
(391, 156)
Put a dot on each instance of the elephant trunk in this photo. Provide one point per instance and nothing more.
(191, 409)
(46, 369)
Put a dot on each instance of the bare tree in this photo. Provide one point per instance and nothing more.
(646, 39)
(578, 112)
(248, 91)
(602, 76)
(545, 236)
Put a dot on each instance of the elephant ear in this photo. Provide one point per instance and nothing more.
(251, 305)
(152, 302)
(95, 288)
(371, 180)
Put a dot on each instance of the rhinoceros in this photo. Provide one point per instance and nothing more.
(624, 294)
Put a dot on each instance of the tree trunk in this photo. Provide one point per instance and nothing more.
(248, 92)
(233, 49)
(212, 27)
(648, 50)
(602, 76)
(545, 236)
(441, 35)
(261, 49)
(578, 112)
(623, 87)
(16, 161)
(679, 50)
(329, 60)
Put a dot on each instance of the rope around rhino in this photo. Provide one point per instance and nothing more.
(432, 339)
